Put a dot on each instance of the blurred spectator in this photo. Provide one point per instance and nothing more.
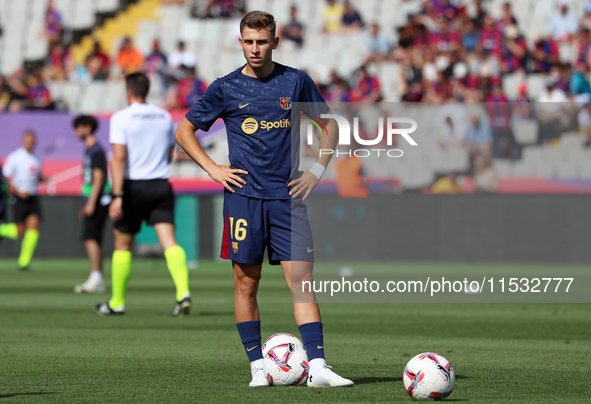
(484, 176)
(507, 17)
(332, 16)
(129, 58)
(190, 89)
(583, 45)
(410, 36)
(98, 63)
(216, 8)
(447, 185)
(38, 96)
(499, 112)
(452, 119)
(515, 51)
(523, 109)
(184, 91)
(58, 63)
(181, 56)
(549, 110)
(480, 14)
(53, 28)
(444, 38)
(366, 87)
(470, 36)
(545, 54)
(479, 139)
(563, 25)
(156, 60)
(4, 94)
(586, 20)
(15, 91)
(491, 37)
(377, 45)
(351, 21)
(337, 90)
(584, 122)
(442, 9)
(292, 34)
(226, 8)
(579, 85)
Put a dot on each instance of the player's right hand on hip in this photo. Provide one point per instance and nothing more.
(227, 176)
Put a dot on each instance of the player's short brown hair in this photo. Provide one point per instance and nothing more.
(259, 20)
(138, 84)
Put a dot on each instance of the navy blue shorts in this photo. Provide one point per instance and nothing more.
(251, 225)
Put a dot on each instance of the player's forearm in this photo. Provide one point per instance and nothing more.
(118, 175)
(185, 137)
(328, 142)
(97, 186)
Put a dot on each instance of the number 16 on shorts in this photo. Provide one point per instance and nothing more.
(238, 232)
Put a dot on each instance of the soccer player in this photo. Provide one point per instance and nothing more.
(142, 136)
(262, 187)
(22, 169)
(96, 202)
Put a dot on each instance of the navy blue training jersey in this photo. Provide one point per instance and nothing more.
(257, 114)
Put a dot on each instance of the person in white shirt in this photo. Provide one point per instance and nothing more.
(22, 170)
(563, 25)
(181, 56)
(142, 136)
(550, 108)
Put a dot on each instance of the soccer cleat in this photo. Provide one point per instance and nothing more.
(325, 377)
(106, 310)
(258, 375)
(92, 285)
(182, 308)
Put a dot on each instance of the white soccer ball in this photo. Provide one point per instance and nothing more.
(429, 376)
(285, 361)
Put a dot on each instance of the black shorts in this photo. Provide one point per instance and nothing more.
(2, 209)
(149, 200)
(93, 226)
(24, 208)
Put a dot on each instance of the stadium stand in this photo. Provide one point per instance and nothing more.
(214, 43)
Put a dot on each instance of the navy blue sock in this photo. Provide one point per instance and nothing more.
(313, 339)
(250, 334)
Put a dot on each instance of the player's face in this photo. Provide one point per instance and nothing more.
(258, 45)
(29, 142)
(81, 132)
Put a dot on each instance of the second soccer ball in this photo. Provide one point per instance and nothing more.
(429, 376)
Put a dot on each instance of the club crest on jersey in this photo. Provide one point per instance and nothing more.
(285, 102)
(235, 247)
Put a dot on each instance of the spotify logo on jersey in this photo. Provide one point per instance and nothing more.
(250, 126)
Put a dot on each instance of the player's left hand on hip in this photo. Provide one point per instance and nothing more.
(303, 185)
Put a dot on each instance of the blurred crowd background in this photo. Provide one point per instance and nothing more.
(509, 80)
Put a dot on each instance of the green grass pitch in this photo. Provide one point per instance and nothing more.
(55, 349)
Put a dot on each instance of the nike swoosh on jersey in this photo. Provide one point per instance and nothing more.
(319, 346)
(244, 105)
(310, 250)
